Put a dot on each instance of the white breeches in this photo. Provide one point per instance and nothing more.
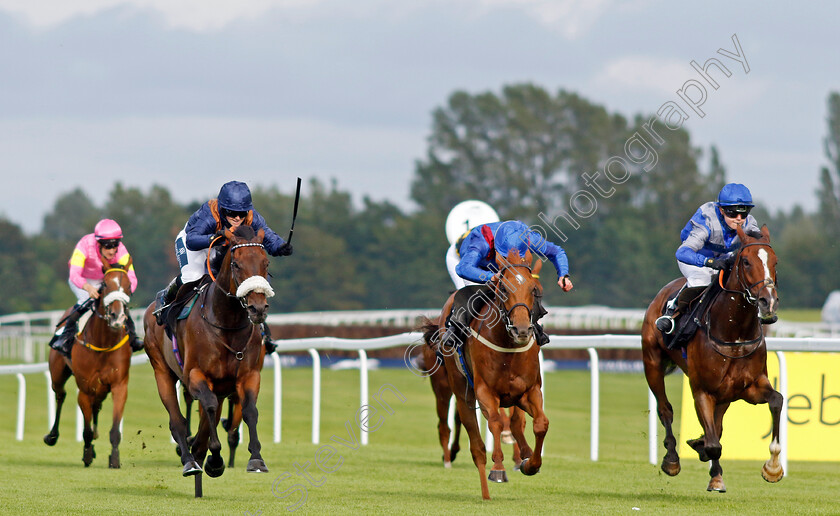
(697, 276)
(193, 263)
(80, 293)
(452, 260)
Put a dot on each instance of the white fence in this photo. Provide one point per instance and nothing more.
(592, 343)
(24, 336)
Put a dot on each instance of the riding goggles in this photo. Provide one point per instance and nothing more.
(111, 243)
(236, 214)
(733, 211)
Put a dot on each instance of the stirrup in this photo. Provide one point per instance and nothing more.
(665, 324)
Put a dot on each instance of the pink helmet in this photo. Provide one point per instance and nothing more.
(107, 229)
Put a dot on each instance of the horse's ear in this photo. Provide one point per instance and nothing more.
(537, 267)
(260, 235)
(229, 234)
(741, 234)
(765, 232)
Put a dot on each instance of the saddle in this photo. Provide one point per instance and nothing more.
(688, 323)
(182, 305)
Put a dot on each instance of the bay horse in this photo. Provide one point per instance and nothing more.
(99, 360)
(502, 358)
(221, 345)
(725, 360)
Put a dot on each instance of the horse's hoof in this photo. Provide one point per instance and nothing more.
(257, 466)
(88, 456)
(114, 460)
(447, 465)
(214, 466)
(526, 468)
(507, 437)
(50, 439)
(517, 467)
(716, 484)
(671, 469)
(772, 474)
(699, 445)
(191, 468)
(498, 476)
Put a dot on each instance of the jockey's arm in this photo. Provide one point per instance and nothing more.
(272, 241)
(468, 268)
(689, 251)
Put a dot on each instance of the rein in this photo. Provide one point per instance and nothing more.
(501, 308)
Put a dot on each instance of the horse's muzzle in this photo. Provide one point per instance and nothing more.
(257, 315)
(521, 335)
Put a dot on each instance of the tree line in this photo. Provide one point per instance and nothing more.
(613, 192)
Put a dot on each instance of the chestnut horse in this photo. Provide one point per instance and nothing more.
(726, 360)
(99, 362)
(502, 358)
(443, 394)
(222, 350)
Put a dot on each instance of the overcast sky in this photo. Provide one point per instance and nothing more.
(190, 94)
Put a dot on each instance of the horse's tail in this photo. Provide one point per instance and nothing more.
(430, 328)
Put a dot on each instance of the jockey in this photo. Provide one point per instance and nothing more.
(232, 208)
(102, 246)
(709, 244)
(478, 266)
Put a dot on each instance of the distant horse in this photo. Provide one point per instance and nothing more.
(726, 360)
(221, 346)
(100, 363)
(502, 358)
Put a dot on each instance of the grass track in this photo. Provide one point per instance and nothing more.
(399, 472)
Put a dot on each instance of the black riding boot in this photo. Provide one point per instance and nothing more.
(665, 323)
(681, 315)
(134, 341)
(539, 331)
(165, 297)
(63, 339)
(270, 346)
(466, 306)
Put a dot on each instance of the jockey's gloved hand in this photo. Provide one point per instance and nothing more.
(722, 262)
(217, 234)
(285, 249)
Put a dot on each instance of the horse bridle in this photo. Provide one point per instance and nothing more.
(506, 312)
(236, 282)
(747, 290)
(101, 300)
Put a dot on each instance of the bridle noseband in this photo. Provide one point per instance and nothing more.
(500, 302)
(747, 290)
(115, 295)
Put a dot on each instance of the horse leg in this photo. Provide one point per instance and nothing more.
(456, 444)
(763, 392)
(466, 411)
(708, 413)
(60, 373)
(177, 423)
(532, 403)
(442, 408)
(490, 407)
(520, 445)
(655, 375)
(201, 390)
(97, 406)
(507, 435)
(248, 389)
(119, 393)
(86, 403)
(233, 421)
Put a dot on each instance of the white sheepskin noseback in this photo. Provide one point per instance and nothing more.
(255, 284)
(117, 295)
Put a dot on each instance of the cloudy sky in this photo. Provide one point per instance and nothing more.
(189, 94)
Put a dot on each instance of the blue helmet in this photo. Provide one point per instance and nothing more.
(512, 234)
(235, 196)
(735, 194)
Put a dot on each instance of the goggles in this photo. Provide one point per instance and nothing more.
(733, 211)
(111, 243)
(236, 214)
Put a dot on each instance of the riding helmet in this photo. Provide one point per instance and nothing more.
(107, 229)
(735, 194)
(235, 196)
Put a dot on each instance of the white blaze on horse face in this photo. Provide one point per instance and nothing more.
(520, 279)
(763, 256)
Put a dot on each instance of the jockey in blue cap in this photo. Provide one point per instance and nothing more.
(478, 265)
(229, 210)
(709, 243)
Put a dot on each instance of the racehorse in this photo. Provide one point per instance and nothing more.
(100, 363)
(230, 425)
(726, 360)
(443, 393)
(221, 346)
(502, 360)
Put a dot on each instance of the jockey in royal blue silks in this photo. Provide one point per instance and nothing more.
(232, 208)
(478, 265)
(709, 244)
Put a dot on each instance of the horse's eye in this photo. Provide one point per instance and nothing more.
(502, 289)
(234, 265)
(746, 263)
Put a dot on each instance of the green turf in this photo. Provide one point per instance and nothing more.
(398, 473)
(800, 314)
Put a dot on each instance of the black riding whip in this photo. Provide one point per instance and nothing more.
(294, 215)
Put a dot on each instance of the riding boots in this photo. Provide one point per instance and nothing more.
(63, 339)
(165, 297)
(269, 344)
(677, 307)
(134, 341)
